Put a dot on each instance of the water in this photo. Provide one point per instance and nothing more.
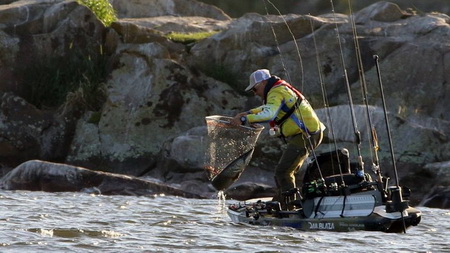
(79, 222)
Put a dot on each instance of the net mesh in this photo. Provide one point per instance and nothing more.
(226, 142)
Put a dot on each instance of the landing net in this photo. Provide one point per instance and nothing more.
(226, 143)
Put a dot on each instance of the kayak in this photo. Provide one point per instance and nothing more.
(358, 206)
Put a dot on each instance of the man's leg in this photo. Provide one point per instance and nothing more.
(292, 158)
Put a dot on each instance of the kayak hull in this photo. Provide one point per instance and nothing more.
(324, 218)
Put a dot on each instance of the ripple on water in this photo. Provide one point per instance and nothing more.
(74, 233)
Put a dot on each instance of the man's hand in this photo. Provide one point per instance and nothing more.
(236, 121)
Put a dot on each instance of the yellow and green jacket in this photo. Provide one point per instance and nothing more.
(280, 97)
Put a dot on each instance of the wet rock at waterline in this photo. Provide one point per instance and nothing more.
(38, 175)
(437, 185)
(439, 198)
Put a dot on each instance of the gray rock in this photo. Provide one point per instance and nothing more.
(437, 194)
(383, 12)
(155, 8)
(36, 175)
(31, 30)
(174, 24)
(28, 133)
(146, 108)
(439, 198)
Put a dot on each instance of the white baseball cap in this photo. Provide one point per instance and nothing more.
(257, 77)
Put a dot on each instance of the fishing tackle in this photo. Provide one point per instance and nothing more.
(358, 203)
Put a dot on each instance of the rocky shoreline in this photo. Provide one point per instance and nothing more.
(151, 125)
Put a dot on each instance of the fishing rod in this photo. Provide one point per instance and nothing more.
(360, 171)
(325, 100)
(397, 194)
(371, 129)
(377, 65)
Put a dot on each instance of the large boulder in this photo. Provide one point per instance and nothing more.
(415, 144)
(34, 31)
(28, 133)
(156, 8)
(409, 137)
(36, 175)
(146, 108)
(32, 35)
(167, 16)
(250, 43)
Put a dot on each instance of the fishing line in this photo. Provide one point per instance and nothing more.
(307, 135)
(277, 44)
(293, 39)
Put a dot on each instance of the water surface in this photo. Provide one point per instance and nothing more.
(79, 222)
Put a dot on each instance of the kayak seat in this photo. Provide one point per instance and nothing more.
(330, 163)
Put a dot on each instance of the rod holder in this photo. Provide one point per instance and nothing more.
(396, 202)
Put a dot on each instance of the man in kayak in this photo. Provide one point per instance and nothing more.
(291, 118)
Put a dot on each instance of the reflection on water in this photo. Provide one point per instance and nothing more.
(42, 222)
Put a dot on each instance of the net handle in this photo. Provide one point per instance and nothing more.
(219, 120)
(243, 126)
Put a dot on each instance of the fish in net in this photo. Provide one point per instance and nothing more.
(229, 149)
